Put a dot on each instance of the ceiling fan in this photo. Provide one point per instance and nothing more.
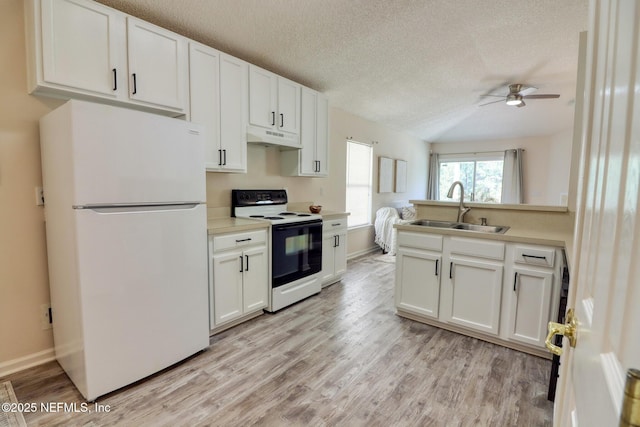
(517, 94)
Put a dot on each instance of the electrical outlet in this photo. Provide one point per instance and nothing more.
(45, 316)
(39, 196)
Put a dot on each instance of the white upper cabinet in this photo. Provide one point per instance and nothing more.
(274, 105)
(158, 66)
(312, 158)
(219, 97)
(82, 49)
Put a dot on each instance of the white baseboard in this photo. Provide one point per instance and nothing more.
(363, 252)
(29, 361)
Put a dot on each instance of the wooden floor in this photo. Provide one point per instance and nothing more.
(340, 358)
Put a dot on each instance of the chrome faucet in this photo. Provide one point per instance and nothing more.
(462, 210)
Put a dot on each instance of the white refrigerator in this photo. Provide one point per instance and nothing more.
(126, 242)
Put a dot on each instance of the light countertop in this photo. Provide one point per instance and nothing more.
(231, 224)
(329, 215)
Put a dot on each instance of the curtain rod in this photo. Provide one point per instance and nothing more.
(483, 152)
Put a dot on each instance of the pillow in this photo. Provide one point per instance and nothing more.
(408, 212)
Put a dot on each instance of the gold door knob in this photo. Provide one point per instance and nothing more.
(568, 330)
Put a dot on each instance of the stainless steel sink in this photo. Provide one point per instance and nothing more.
(495, 229)
(498, 229)
(433, 223)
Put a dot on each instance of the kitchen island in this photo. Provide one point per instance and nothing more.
(500, 287)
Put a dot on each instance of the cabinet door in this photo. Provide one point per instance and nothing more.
(233, 113)
(530, 303)
(83, 47)
(227, 286)
(308, 111)
(255, 279)
(204, 86)
(474, 294)
(340, 255)
(262, 97)
(157, 65)
(418, 281)
(322, 136)
(288, 119)
(328, 257)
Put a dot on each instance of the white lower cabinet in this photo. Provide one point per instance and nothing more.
(334, 250)
(479, 287)
(418, 272)
(238, 276)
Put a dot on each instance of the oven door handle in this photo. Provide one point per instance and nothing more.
(295, 225)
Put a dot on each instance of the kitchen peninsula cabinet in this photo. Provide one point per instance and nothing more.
(274, 102)
(219, 97)
(498, 291)
(334, 250)
(82, 49)
(312, 159)
(238, 277)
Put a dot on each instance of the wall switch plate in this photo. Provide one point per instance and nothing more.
(39, 196)
(45, 316)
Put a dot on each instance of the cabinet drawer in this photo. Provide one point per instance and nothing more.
(534, 255)
(478, 248)
(236, 240)
(420, 240)
(334, 225)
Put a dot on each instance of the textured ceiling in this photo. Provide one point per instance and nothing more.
(418, 66)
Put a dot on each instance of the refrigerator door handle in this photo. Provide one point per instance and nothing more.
(141, 207)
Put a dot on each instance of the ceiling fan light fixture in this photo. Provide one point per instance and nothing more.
(514, 99)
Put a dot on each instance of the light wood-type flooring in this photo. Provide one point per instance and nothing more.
(341, 358)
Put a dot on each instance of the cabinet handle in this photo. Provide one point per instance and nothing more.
(451, 270)
(281, 120)
(437, 266)
(273, 118)
(241, 264)
(336, 224)
(225, 157)
(335, 242)
(243, 240)
(515, 281)
(115, 79)
(219, 157)
(534, 256)
(135, 84)
(246, 257)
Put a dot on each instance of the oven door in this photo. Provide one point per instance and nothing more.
(296, 251)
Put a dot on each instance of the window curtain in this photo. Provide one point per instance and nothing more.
(512, 184)
(432, 181)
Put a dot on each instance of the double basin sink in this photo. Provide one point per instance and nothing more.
(494, 229)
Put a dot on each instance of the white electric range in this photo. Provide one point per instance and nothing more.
(296, 244)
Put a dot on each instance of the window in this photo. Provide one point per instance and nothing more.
(359, 183)
(481, 175)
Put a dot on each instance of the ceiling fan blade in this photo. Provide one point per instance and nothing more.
(526, 90)
(492, 102)
(542, 96)
(522, 104)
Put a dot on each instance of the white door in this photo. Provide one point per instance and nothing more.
(262, 97)
(322, 135)
(227, 286)
(255, 281)
(288, 119)
(418, 281)
(328, 257)
(308, 114)
(93, 62)
(234, 76)
(474, 290)
(340, 255)
(605, 271)
(158, 65)
(529, 305)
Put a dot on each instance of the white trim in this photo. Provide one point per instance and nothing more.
(28, 361)
(615, 378)
(363, 252)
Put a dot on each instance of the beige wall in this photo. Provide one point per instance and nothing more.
(23, 268)
(547, 162)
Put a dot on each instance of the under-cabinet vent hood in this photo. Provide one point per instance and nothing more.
(285, 140)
